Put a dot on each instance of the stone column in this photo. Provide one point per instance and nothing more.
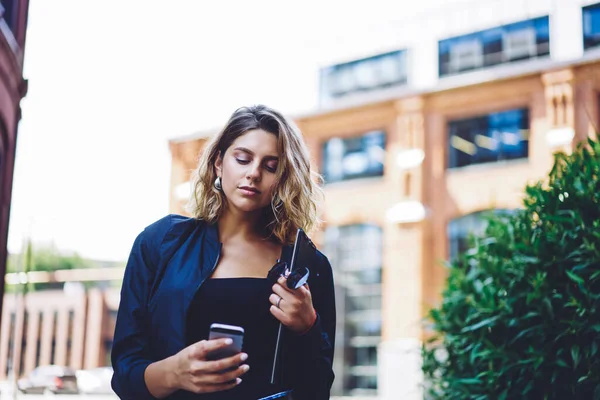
(560, 110)
(403, 260)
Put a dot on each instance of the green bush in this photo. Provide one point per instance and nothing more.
(520, 315)
(47, 258)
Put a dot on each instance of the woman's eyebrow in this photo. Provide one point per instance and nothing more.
(245, 150)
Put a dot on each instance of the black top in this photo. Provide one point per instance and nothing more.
(243, 302)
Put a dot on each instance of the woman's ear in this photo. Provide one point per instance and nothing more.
(218, 164)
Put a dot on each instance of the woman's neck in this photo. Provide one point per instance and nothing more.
(245, 227)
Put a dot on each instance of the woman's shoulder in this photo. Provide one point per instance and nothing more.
(170, 225)
(323, 263)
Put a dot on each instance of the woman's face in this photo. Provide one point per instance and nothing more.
(247, 170)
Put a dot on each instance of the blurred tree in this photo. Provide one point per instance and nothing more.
(520, 314)
(46, 258)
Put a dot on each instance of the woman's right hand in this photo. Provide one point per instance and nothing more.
(194, 373)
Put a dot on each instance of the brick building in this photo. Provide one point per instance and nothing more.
(412, 156)
(414, 143)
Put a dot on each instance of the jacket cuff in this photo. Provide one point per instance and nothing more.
(310, 341)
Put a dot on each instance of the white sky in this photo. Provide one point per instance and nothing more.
(111, 81)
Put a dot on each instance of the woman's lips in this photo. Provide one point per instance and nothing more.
(248, 191)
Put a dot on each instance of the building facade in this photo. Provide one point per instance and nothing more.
(13, 87)
(415, 145)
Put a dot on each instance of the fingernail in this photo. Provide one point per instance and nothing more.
(245, 368)
(244, 357)
(228, 341)
(238, 381)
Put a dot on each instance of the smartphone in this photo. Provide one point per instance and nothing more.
(303, 257)
(221, 331)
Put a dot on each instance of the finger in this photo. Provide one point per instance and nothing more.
(206, 346)
(210, 388)
(224, 363)
(283, 292)
(283, 282)
(274, 299)
(303, 291)
(196, 349)
(227, 377)
(280, 315)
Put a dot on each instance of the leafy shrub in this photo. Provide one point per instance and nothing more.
(520, 315)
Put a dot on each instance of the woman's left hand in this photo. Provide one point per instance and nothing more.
(293, 307)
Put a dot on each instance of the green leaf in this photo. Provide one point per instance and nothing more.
(469, 381)
(481, 324)
(562, 363)
(575, 355)
(575, 278)
(523, 333)
(548, 305)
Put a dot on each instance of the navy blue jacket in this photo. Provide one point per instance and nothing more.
(169, 262)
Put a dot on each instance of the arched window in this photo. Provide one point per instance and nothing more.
(356, 255)
(462, 228)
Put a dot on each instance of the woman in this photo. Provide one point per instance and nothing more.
(252, 190)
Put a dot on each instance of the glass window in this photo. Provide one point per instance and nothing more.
(488, 138)
(380, 71)
(355, 252)
(508, 43)
(591, 26)
(461, 229)
(356, 157)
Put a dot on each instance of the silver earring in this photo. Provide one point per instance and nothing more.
(218, 184)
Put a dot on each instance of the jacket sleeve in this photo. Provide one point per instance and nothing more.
(131, 344)
(311, 355)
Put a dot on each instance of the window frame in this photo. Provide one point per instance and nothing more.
(592, 40)
(487, 129)
(376, 63)
(495, 38)
(380, 137)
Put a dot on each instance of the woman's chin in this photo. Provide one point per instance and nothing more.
(247, 208)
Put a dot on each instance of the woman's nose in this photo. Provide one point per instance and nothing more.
(253, 173)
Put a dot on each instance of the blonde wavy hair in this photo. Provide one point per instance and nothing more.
(297, 188)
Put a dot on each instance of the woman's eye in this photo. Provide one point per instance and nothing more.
(271, 168)
(241, 161)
